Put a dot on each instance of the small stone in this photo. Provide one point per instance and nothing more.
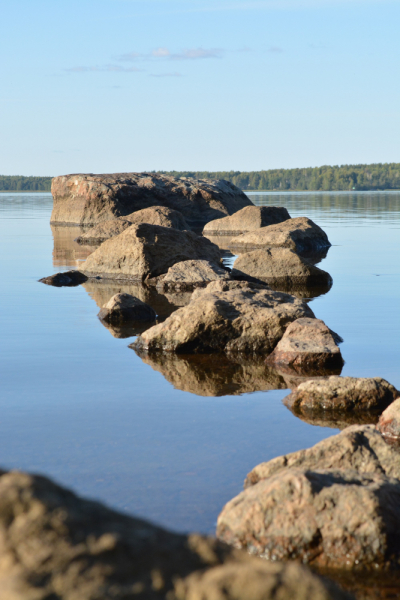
(66, 278)
(124, 307)
(189, 274)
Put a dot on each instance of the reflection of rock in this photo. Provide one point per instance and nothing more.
(179, 298)
(125, 307)
(215, 375)
(248, 218)
(66, 252)
(389, 422)
(223, 241)
(64, 279)
(334, 420)
(127, 330)
(190, 274)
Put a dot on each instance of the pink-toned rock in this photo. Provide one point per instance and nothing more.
(389, 421)
(247, 219)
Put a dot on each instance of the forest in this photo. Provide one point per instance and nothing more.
(337, 178)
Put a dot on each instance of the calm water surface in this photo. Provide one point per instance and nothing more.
(78, 405)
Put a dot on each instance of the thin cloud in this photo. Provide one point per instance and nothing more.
(165, 54)
(103, 68)
(166, 75)
(275, 49)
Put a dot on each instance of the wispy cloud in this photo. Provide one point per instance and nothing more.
(165, 54)
(103, 68)
(275, 49)
(166, 75)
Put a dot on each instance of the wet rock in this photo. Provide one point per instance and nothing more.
(157, 215)
(360, 448)
(89, 199)
(247, 219)
(308, 346)
(280, 267)
(389, 421)
(66, 278)
(57, 545)
(338, 519)
(343, 394)
(190, 274)
(147, 251)
(124, 307)
(300, 234)
(231, 316)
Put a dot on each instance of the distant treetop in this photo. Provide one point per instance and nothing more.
(19, 183)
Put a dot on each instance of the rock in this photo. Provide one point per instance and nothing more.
(300, 234)
(389, 421)
(124, 307)
(337, 519)
(147, 251)
(231, 316)
(66, 278)
(190, 274)
(57, 545)
(308, 346)
(247, 219)
(157, 215)
(89, 199)
(343, 395)
(360, 448)
(281, 268)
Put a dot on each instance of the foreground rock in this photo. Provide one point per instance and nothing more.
(190, 274)
(247, 219)
(87, 199)
(56, 545)
(66, 278)
(308, 346)
(389, 421)
(157, 215)
(230, 316)
(124, 307)
(300, 234)
(147, 251)
(280, 267)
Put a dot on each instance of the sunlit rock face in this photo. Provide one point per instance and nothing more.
(389, 421)
(89, 199)
(247, 219)
(190, 274)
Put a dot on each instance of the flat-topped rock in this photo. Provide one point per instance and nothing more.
(157, 215)
(89, 199)
(247, 219)
(300, 234)
(147, 251)
(124, 307)
(308, 346)
(231, 316)
(65, 278)
(389, 421)
(190, 274)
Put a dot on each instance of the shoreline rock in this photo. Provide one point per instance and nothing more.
(248, 218)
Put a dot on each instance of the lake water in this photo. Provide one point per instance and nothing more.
(79, 406)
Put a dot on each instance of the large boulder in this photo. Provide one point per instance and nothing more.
(145, 250)
(157, 215)
(89, 199)
(57, 545)
(124, 307)
(308, 346)
(231, 316)
(65, 279)
(190, 274)
(300, 234)
(389, 421)
(247, 219)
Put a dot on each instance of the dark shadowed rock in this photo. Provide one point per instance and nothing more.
(57, 545)
(124, 307)
(247, 219)
(89, 199)
(147, 251)
(300, 234)
(157, 215)
(231, 316)
(389, 421)
(66, 278)
(308, 346)
(190, 274)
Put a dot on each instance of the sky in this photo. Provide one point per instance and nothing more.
(108, 86)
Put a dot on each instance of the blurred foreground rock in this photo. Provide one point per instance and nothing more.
(389, 421)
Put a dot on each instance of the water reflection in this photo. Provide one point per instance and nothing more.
(67, 252)
(335, 420)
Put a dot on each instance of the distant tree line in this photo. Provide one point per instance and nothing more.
(19, 183)
(345, 177)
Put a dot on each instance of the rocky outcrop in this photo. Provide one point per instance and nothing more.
(231, 316)
(190, 274)
(124, 307)
(66, 278)
(308, 346)
(389, 421)
(157, 215)
(147, 251)
(281, 268)
(300, 234)
(57, 545)
(87, 199)
(247, 219)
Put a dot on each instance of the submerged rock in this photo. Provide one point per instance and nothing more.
(308, 346)
(231, 316)
(66, 278)
(89, 199)
(124, 307)
(147, 251)
(247, 219)
(300, 234)
(389, 421)
(189, 274)
(157, 215)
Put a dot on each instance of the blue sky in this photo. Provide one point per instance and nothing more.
(128, 85)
